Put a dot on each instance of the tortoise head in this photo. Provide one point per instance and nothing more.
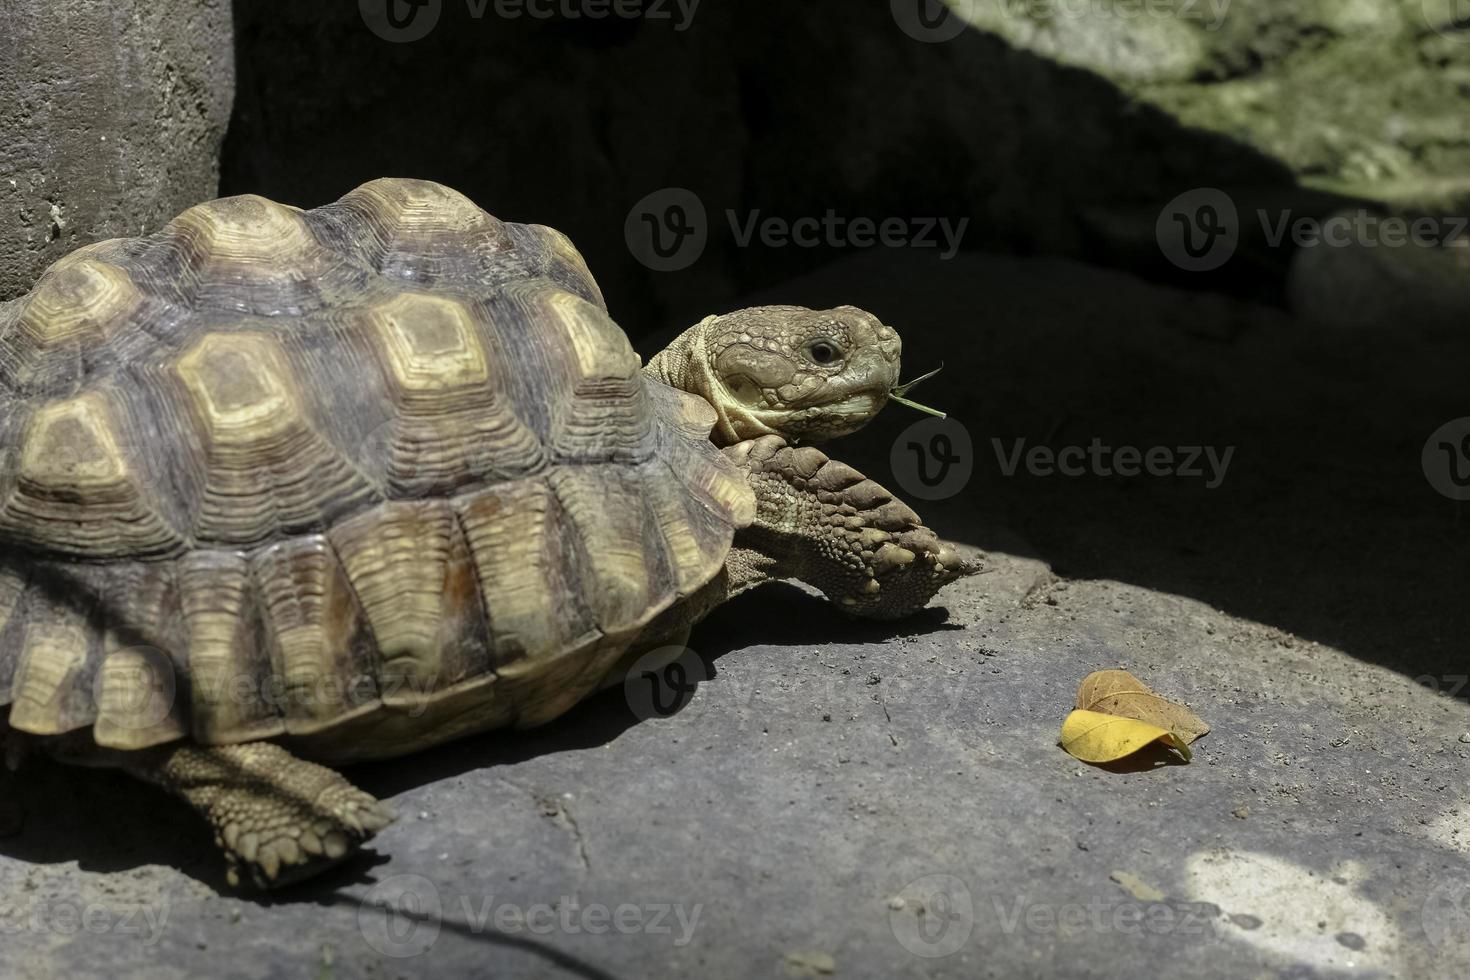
(805, 375)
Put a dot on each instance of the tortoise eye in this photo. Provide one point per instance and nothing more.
(824, 352)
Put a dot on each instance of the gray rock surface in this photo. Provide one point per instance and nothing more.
(111, 119)
(853, 800)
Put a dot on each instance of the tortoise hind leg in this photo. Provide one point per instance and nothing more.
(276, 817)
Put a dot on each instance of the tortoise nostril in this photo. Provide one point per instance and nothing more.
(872, 371)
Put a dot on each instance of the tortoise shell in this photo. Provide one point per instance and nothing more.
(273, 473)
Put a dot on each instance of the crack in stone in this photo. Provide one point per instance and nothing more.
(571, 822)
(558, 811)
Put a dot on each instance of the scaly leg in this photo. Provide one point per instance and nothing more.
(276, 817)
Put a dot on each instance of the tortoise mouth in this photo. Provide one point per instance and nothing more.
(865, 403)
(833, 419)
(860, 406)
(899, 393)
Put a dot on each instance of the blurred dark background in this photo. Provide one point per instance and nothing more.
(1122, 171)
(1056, 128)
(786, 109)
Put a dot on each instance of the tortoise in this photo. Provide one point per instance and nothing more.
(282, 489)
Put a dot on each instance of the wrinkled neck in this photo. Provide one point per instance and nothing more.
(675, 364)
(685, 365)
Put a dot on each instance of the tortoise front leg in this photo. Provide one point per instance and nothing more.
(277, 817)
(824, 523)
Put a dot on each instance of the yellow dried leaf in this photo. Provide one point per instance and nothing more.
(1095, 737)
(1117, 692)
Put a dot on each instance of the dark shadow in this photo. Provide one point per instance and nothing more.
(59, 803)
(761, 109)
(777, 613)
(1324, 526)
(143, 826)
(489, 936)
(1151, 758)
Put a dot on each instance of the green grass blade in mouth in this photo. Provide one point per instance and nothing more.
(897, 393)
(923, 408)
